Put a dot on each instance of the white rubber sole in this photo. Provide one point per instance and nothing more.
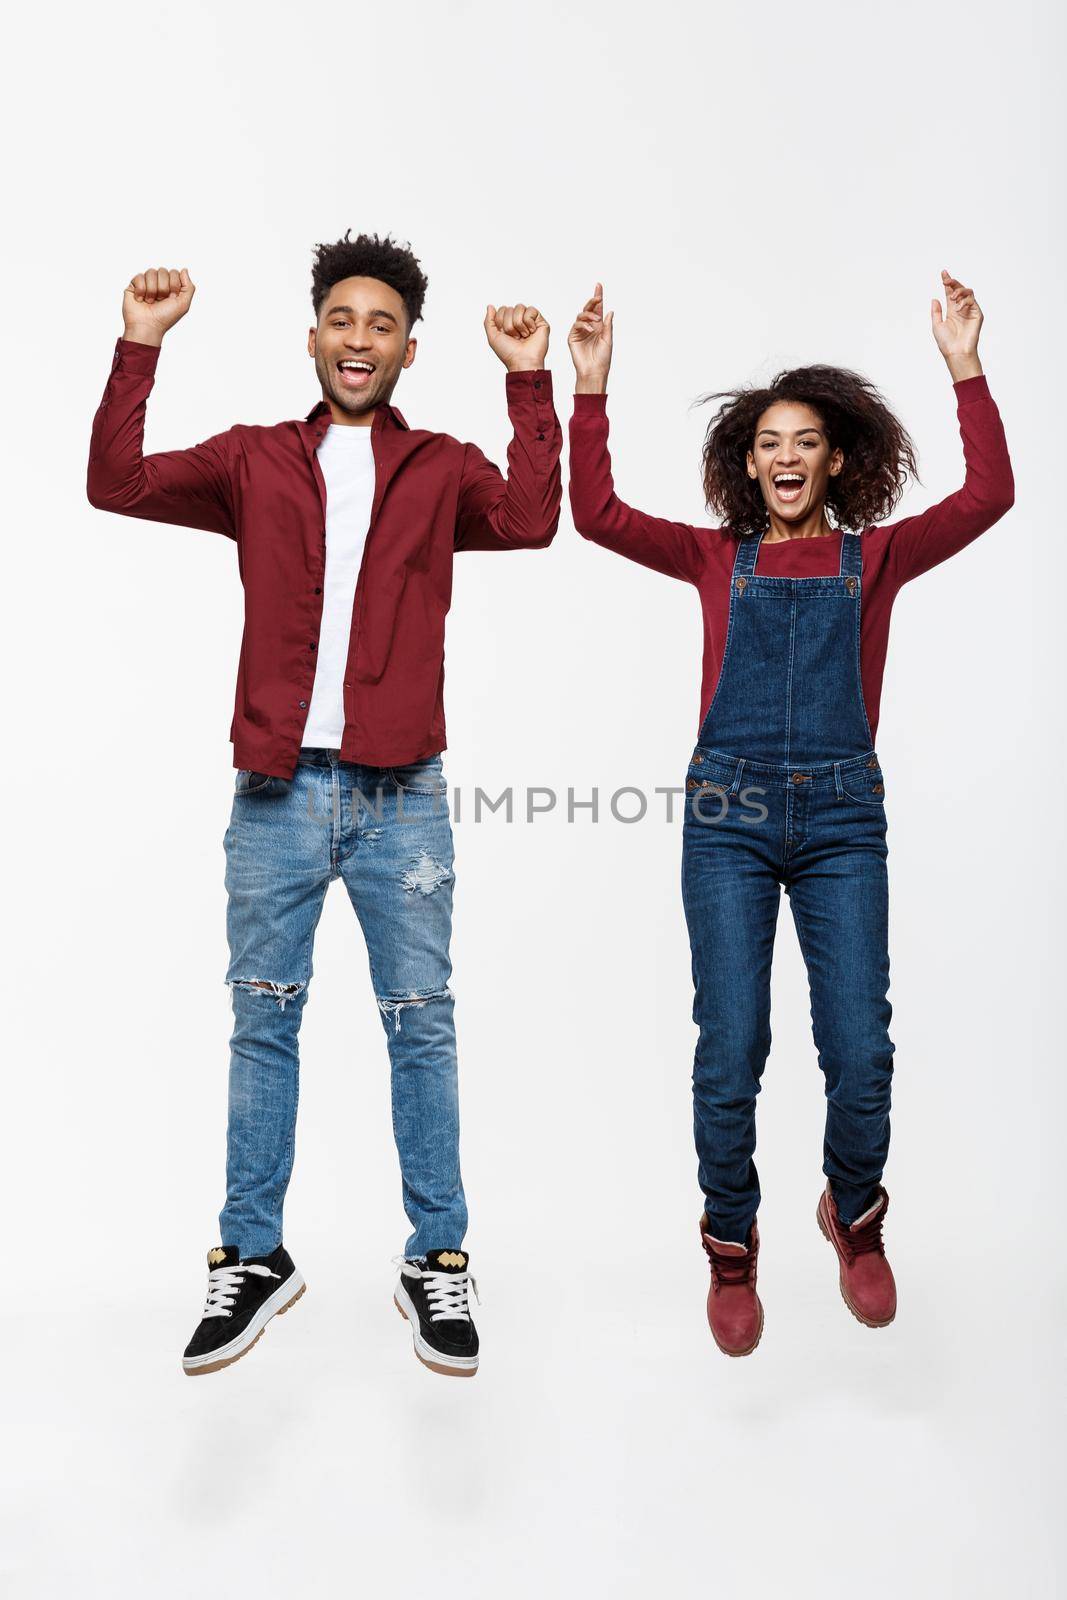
(447, 1366)
(286, 1295)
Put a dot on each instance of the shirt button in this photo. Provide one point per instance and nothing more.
(303, 705)
(540, 435)
(311, 646)
(317, 590)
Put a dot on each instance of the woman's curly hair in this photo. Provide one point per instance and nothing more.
(879, 455)
(369, 257)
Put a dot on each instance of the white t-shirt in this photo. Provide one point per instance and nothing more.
(347, 464)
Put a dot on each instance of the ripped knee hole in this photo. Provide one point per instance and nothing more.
(281, 992)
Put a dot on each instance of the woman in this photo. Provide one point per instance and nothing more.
(785, 787)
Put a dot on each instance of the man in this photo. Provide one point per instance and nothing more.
(345, 525)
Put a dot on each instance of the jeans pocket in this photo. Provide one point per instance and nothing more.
(709, 775)
(865, 785)
(420, 777)
(258, 783)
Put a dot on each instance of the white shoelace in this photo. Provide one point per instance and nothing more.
(446, 1292)
(225, 1283)
(446, 1295)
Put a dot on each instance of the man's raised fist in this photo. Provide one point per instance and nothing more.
(154, 300)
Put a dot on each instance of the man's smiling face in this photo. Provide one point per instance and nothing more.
(360, 347)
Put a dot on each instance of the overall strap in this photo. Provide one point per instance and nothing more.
(851, 565)
(851, 555)
(747, 553)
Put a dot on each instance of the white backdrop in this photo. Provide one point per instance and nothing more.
(756, 187)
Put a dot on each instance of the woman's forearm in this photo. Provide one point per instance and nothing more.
(598, 513)
(988, 491)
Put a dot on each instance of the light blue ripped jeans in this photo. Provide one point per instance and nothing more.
(386, 832)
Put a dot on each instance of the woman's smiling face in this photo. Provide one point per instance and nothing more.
(792, 459)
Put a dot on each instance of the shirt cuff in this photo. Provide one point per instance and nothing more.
(519, 384)
(592, 404)
(968, 389)
(134, 357)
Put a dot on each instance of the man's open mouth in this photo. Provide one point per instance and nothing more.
(788, 486)
(355, 374)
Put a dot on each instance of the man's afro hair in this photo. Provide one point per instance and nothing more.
(368, 256)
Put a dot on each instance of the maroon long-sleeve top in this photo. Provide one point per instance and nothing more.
(263, 488)
(893, 552)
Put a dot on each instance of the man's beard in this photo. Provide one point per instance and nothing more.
(354, 404)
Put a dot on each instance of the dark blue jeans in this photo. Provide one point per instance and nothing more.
(819, 831)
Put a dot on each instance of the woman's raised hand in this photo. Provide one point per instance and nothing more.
(956, 331)
(589, 343)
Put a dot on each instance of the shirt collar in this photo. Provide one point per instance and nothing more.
(320, 417)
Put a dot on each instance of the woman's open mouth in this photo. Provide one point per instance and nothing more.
(355, 374)
(788, 486)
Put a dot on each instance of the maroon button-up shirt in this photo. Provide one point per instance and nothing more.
(263, 487)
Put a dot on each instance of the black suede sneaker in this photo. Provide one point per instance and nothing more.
(242, 1296)
(431, 1294)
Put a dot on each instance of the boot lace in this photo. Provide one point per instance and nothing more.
(730, 1269)
(866, 1239)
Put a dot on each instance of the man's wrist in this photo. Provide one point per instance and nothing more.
(591, 385)
(151, 336)
(525, 366)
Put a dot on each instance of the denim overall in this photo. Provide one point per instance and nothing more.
(785, 790)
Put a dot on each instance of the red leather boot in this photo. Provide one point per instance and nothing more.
(866, 1278)
(735, 1314)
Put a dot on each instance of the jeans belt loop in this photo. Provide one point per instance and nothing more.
(837, 781)
(735, 787)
